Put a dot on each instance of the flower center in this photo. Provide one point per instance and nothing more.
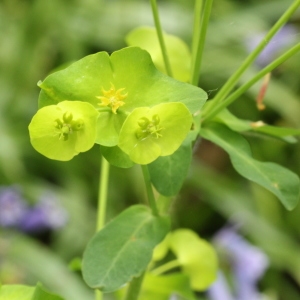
(67, 125)
(149, 128)
(113, 98)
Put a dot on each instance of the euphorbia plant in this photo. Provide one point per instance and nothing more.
(139, 115)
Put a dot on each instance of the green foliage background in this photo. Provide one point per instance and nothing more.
(38, 36)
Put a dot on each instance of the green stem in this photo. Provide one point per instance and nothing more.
(230, 83)
(160, 37)
(196, 60)
(166, 267)
(196, 29)
(102, 201)
(102, 195)
(134, 288)
(234, 96)
(149, 190)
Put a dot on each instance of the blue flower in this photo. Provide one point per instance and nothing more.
(12, 207)
(46, 214)
(248, 265)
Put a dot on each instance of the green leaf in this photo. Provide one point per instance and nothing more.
(178, 51)
(116, 157)
(280, 181)
(169, 172)
(283, 133)
(16, 292)
(149, 133)
(196, 256)
(239, 125)
(162, 287)
(116, 85)
(64, 130)
(123, 248)
(230, 120)
(41, 294)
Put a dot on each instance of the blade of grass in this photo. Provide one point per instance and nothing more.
(231, 82)
(160, 37)
(217, 107)
(199, 38)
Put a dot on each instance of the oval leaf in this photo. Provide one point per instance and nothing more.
(169, 172)
(123, 248)
(280, 181)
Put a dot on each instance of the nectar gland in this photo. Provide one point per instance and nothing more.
(67, 125)
(113, 98)
(149, 128)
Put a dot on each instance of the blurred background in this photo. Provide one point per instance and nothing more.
(47, 208)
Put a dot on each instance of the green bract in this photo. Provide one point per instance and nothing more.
(178, 51)
(149, 133)
(196, 256)
(116, 85)
(62, 131)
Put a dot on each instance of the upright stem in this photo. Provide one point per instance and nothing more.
(196, 33)
(149, 190)
(220, 106)
(102, 195)
(160, 37)
(134, 288)
(102, 201)
(229, 85)
(202, 35)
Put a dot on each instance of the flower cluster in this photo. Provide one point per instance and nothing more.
(119, 101)
(46, 214)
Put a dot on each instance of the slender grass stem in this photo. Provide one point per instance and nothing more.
(166, 267)
(160, 37)
(234, 96)
(201, 40)
(231, 82)
(196, 33)
(102, 201)
(149, 190)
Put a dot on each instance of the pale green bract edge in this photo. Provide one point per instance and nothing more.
(16, 292)
(44, 135)
(23, 292)
(196, 256)
(178, 51)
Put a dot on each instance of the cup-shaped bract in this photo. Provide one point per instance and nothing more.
(64, 130)
(148, 133)
(115, 85)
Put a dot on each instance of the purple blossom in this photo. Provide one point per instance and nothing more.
(284, 38)
(46, 214)
(248, 265)
(12, 207)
